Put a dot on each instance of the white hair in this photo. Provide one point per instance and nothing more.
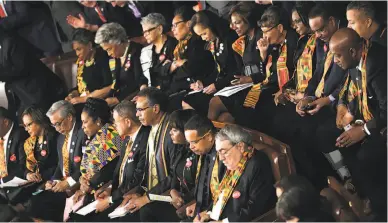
(112, 33)
(154, 19)
(64, 107)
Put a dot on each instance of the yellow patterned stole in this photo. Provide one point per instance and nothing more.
(230, 180)
(253, 95)
(239, 45)
(214, 181)
(112, 67)
(304, 67)
(65, 156)
(363, 98)
(3, 164)
(31, 162)
(181, 47)
(321, 85)
(127, 152)
(81, 84)
(212, 49)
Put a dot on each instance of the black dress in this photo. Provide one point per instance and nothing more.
(182, 179)
(229, 64)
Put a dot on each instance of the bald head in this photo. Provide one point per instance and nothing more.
(346, 45)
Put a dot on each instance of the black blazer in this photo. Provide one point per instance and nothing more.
(134, 170)
(33, 22)
(257, 193)
(129, 80)
(47, 163)
(26, 77)
(16, 158)
(77, 139)
(380, 36)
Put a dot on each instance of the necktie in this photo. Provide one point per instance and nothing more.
(2, 12)
(65, 156)
(99, 12)
(3, 166)
(127, 152)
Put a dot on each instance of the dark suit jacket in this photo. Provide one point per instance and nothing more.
(26, 77)
(133, 171)
(33, 22)
(77, 139)
(257, 193)
(47, 163)
(380, 36)
(16, 158)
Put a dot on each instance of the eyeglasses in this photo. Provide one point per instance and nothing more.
(322, 29)
(142, 109)
(58, 124)
(225, 152)
(197, 140)
(296, 21)
(174, 25)
(27, 126)
(149, 30)
(270, 28)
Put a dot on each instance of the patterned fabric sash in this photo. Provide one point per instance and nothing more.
(304, 67)
(112, 66)
(3, 165)
(321, 85)
(212, 49)
(214, 181)
(65, 156)
(230, 180)
(81, 84)
(363, 98)
(239, 46)
(253, 95)
(102, 149)
(29, 146)
(181, 47)
(127, 152)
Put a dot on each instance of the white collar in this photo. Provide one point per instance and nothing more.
(359, 65)
(8, 133)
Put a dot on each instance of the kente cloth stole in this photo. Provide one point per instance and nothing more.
(212, 49)
(181, 47)
(112, 66)
(156, 150)
(80, 80)
(363, 98)
(304, 67)
(239, 45)
(3, 165)
(253, 95)
(127, 152)
(214, 181)
(65, 156)
(230, 180)
(29, 146)
(321, 85)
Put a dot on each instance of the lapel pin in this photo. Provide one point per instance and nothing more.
(72, 143)
(71, 150)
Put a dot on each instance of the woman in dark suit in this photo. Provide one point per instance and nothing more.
(181, 182)
(219, 37)
(40, 147)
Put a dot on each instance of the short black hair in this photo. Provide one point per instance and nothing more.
(155, 97)
(321, 10)
(366, 7)
(208, 19)
(247, 11)
(127, 109)
(273, 16)
(201, 124)
(39, 117)
(185, 13)
(6, 114)
(83, 36)
(303, 9)
(97, 108)
(179, 118)
(294, 180)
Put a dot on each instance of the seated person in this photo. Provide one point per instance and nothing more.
(125, 65)
(191, 62)
(94, 78)
(181, 182)
(41, 147)
(101, 152)
(219, 37)
(293, 180)
(130, 167)
(246, 191)
(160, 50)
(49, 205)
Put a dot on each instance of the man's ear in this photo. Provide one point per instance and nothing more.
(188, 24)
(369, 22)
(280, 28)
(353, 52)
(156, 108)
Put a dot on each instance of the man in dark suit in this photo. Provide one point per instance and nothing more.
(200, 133)
(33, 22)
(28, 80)
(246, 190)
(131, 165)
(50, 204)
(364, 144)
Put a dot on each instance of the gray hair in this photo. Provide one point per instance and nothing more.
(154, 19)
(127, 109)
(63, 106)
(234, 134)
(112, 33)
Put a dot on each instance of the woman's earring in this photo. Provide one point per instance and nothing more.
(98, 123)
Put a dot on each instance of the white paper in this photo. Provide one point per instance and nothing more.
(15, 182)
(193, 92)
(3, 96)
(228, 91)
(87, 209)
(155, 197)
(118, 212)
(216, 210)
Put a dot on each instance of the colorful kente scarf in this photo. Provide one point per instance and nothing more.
(103, 148)
(304, 67)
(321, 85)
(29, 149)
(81, 84)
(212, 48)
(239, 45)
(181, 47)
(230, 180)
